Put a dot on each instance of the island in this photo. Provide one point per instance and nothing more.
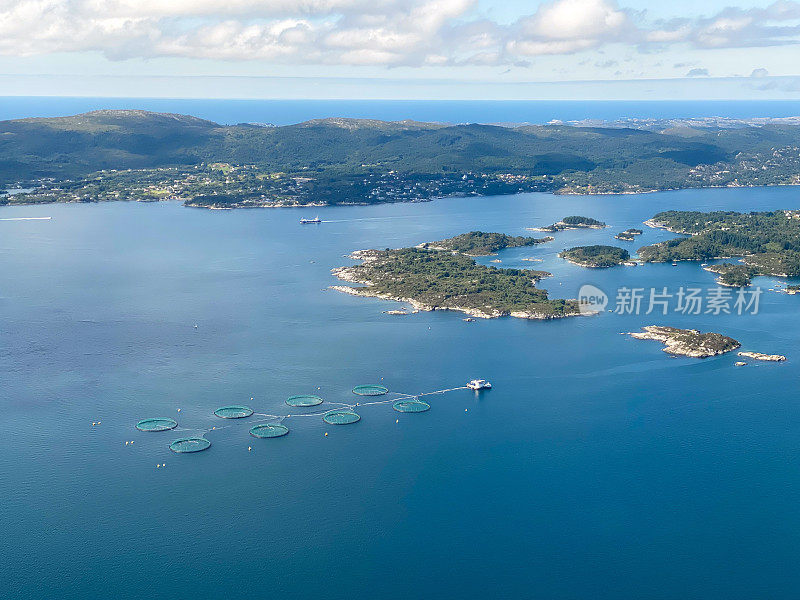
(596, 256)
(687, 342)
(480, 243)
(764, 357)
(768, 243)
(573, 222)
(628, 235)
(432, 279)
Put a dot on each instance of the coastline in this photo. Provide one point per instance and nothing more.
(347, 274)
(559, 192)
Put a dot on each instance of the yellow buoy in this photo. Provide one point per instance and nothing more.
(326, 434)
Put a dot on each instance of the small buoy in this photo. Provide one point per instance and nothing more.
(249, 448)
(158, 466)
(179, 410)
(131, 441)
(326, 434)
(465, 410)
(98, 422)
(214, 427)
(126, 443)
(251, 399)
(397, 420)
(93, 424)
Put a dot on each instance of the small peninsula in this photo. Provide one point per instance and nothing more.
(596, 256)
(432, 279)
(733, 275)
(687, 342)
(480, 243)
(767, 243)
(573, 222)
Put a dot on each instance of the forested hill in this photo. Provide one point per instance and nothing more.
(560, 156)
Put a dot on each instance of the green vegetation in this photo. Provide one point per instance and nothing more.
(435, 280)
(574, 222)
(628, 235)
(577, 221)
(769, 242)
(137, 155)
(596, 256)
(733, 275)
(688, 342)
(480, 243)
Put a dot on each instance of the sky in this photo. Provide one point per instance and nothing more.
(402, 49)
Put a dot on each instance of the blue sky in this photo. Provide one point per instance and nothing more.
(427, 49)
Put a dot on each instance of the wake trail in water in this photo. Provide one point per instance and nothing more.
(26, 219)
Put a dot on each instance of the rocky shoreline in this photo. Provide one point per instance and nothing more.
(764, 357)
(352, 274)
(687, 342)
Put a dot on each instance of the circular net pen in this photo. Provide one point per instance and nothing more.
(370, 390)
(341, 417)
(269, 430)
(160, 424)
(304, 400)
(411, 406)
(233, 412)
(190, 444)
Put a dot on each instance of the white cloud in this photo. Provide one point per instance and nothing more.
(368, 32)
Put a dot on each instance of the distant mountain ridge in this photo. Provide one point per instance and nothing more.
(602, 159)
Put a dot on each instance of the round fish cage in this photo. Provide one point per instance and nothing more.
(157, 424)
(190, 444)
(304, 400)
(269, 430)
(370, 390)
(341, 417)
(414, 405)
(233, 412)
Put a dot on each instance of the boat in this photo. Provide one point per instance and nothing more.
(307, 221)
(479, 384)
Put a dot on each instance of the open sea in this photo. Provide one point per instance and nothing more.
(285, 112)
(597, 467)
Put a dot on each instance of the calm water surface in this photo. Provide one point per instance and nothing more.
(597, 467)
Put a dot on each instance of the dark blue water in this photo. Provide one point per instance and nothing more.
(597, 467)
(283, 112)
